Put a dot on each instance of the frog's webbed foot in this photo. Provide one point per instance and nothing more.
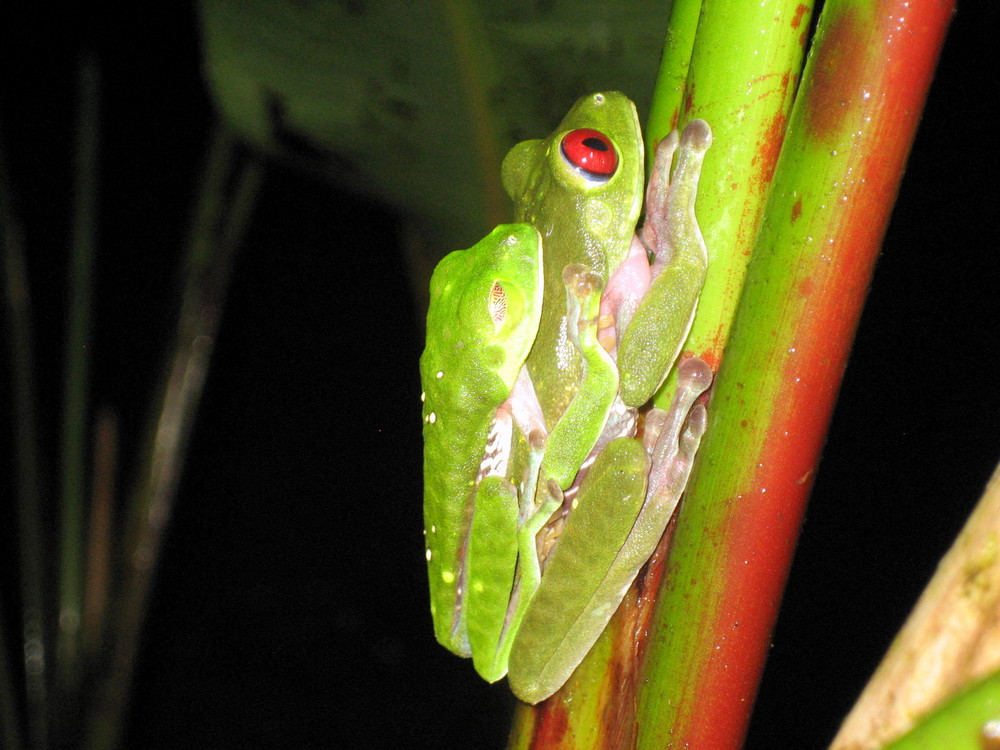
(531, 549)
(505, 567)
(672, 437)
(670, 223)
(654, 226)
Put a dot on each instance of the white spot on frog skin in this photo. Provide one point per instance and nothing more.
(440, 374)
(434, 529)
(428, 554)
(432, 418)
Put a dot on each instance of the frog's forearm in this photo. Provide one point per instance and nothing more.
(663, 318)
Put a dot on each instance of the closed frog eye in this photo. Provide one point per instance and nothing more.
(590, 153)
(498, 305)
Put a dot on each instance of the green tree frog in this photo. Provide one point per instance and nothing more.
(543, 340)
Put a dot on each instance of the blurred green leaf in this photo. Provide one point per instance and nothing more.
(416, 104)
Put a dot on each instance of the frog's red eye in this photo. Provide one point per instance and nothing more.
(591, 153)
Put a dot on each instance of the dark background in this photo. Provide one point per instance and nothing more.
(290, 609)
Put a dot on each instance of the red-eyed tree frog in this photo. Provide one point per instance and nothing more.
(543, 340)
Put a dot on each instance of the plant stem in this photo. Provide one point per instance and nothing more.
(212, 244)
(28, 479)
(76, 379)
(97, 585)
(834, 185)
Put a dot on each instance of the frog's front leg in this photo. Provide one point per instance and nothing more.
(593, 417)
(656, 332)
(582, 423)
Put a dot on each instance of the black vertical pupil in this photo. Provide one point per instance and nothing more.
(595, 144)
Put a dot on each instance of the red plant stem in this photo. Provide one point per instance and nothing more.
(864, 86)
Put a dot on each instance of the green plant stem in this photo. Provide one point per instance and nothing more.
(99, 536)
(742, 76)
(479, 73)
(214, 238)
(671, 79)
(10, 730)
(76, 377)
(834, 185)
(28, 480)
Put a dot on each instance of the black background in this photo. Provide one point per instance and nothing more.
(290, 609)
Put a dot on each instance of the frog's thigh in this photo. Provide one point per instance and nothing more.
(492, 558)
(582, 585)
